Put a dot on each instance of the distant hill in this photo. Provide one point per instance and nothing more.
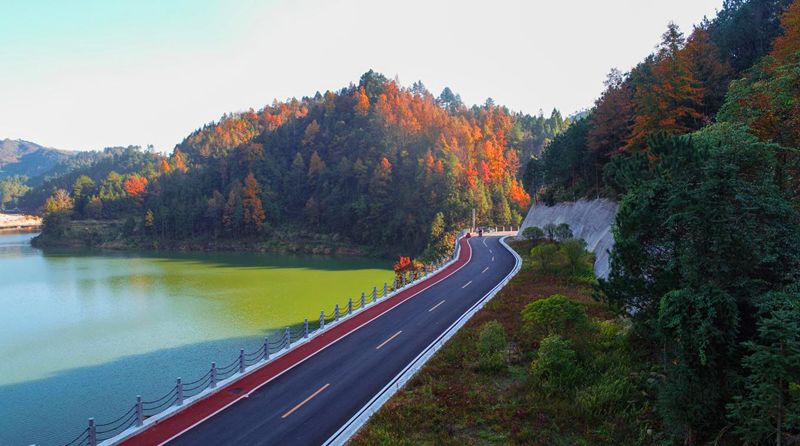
(18, 157)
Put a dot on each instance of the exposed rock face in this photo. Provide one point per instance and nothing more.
(590, 220)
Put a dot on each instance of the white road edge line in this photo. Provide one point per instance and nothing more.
(387, 341)
(435, 306)
(466, 284)
(469, 258)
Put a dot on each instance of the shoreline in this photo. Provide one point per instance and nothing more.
(92, 235)
(19, 222)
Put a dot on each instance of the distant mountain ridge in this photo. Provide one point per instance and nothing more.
(19, 157)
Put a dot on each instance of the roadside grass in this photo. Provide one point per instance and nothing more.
(580, 382)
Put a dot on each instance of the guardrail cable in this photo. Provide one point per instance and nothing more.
(80, 439)
(199, 386)
(256, 354)
(156, 409)
(119, 428)
(202, 378)
(121, 417)
(168, 394)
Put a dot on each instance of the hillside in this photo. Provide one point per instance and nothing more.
(738, 67)
(23, 158)
(376, 163)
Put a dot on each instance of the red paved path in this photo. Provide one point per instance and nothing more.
(195, 413)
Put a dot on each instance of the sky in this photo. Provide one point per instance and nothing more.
(88, 74)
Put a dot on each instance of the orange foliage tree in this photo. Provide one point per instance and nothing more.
(254, 215)
(672, 100)
(135, 186)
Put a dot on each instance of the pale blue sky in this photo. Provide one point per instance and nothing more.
(85, 74)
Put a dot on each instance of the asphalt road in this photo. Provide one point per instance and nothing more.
(307, 404)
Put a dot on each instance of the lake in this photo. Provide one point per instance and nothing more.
(81, 334)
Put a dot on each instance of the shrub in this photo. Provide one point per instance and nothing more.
(533, 233)
(555, 368)
(548, 259)
(550, 231)
(562, 232)
(554, 315)
(580, 261)
(492, 345)
(606, 397)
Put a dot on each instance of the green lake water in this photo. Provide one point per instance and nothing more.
(82, 334)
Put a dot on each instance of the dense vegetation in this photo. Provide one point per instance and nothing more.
(740, 67)
(700, 143)
(384, 166)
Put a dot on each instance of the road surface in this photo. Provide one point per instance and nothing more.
(306, 404)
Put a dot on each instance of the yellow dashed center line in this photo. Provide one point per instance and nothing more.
(386, 341)
(306, 400)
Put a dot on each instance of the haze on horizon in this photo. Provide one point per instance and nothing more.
(90, 74)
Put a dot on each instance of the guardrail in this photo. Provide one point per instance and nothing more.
(145, 413)
(361, 417)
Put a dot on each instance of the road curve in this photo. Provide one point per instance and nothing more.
(308, 402)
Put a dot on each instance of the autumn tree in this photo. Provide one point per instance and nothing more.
(164, 167)
(362, 102)
(135, 186)
(179, 161)
(613, 116)
(767, 100)
(57, 212)
(253, 211)
(786, 48)
(709, 69)
(672, 100)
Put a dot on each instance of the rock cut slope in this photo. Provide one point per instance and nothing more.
(590, 220)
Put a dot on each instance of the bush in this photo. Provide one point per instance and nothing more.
(562, 232)
(581, 262)
(556, 368)
(492, 345)
(550, 231)
(548, 259)
(606, 397)
(533, 233)
(554, 315)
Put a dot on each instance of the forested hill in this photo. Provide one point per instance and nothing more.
(24, 158)
(384, 166)
(700, 143)
(739, 67)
